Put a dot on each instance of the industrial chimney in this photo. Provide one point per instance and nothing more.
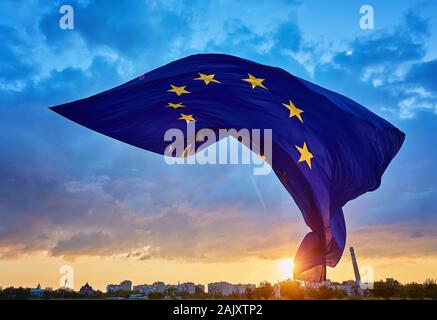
(355, 265)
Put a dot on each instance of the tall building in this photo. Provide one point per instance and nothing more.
(357, 289)
(241, 288)
(355, 266)
(188, 287)
(112, 287)
(222, 288)
(200, 288)
(225, 288)
(125, 285)
(159, 286)
(143, 288)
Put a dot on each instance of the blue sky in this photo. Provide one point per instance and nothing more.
(68, 191)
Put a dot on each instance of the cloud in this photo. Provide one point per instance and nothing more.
(14, 65)
(130, 29)
(82, 243)
(382, 69)
(215, 23)
(380, 241)
(423, 74)
(67, 191)
(46, 211)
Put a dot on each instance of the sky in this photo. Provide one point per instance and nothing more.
(70, 196)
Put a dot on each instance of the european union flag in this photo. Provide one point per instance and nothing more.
(327, 149)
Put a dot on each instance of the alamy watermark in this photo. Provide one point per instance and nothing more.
(367, 20)
(66, 22)
(66, 281)
(201, 147)
(367, 277)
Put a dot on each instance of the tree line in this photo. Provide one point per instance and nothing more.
(289, 289)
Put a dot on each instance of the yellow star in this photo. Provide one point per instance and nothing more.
(207, 78)
(293, 110)
(178, 90)
(175, 105)
(305, 154)
(255, 82)
(187, 117)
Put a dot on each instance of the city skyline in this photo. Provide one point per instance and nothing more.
(345, 273)
(189, 287)
(288, 289)
(285, 290)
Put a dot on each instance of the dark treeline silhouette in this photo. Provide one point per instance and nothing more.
(389, 289)
(394, 289)
(295, 291)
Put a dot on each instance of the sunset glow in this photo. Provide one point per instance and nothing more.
(72, 197)
(285, 269)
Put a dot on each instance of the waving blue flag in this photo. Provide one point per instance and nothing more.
(326, 148)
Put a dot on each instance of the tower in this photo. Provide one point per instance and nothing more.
(355, 265)
(358, 291)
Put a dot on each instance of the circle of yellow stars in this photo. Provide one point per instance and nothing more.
(256, 83)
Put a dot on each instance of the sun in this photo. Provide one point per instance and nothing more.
(285, 269)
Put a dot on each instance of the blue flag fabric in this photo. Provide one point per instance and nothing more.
(327, 149)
